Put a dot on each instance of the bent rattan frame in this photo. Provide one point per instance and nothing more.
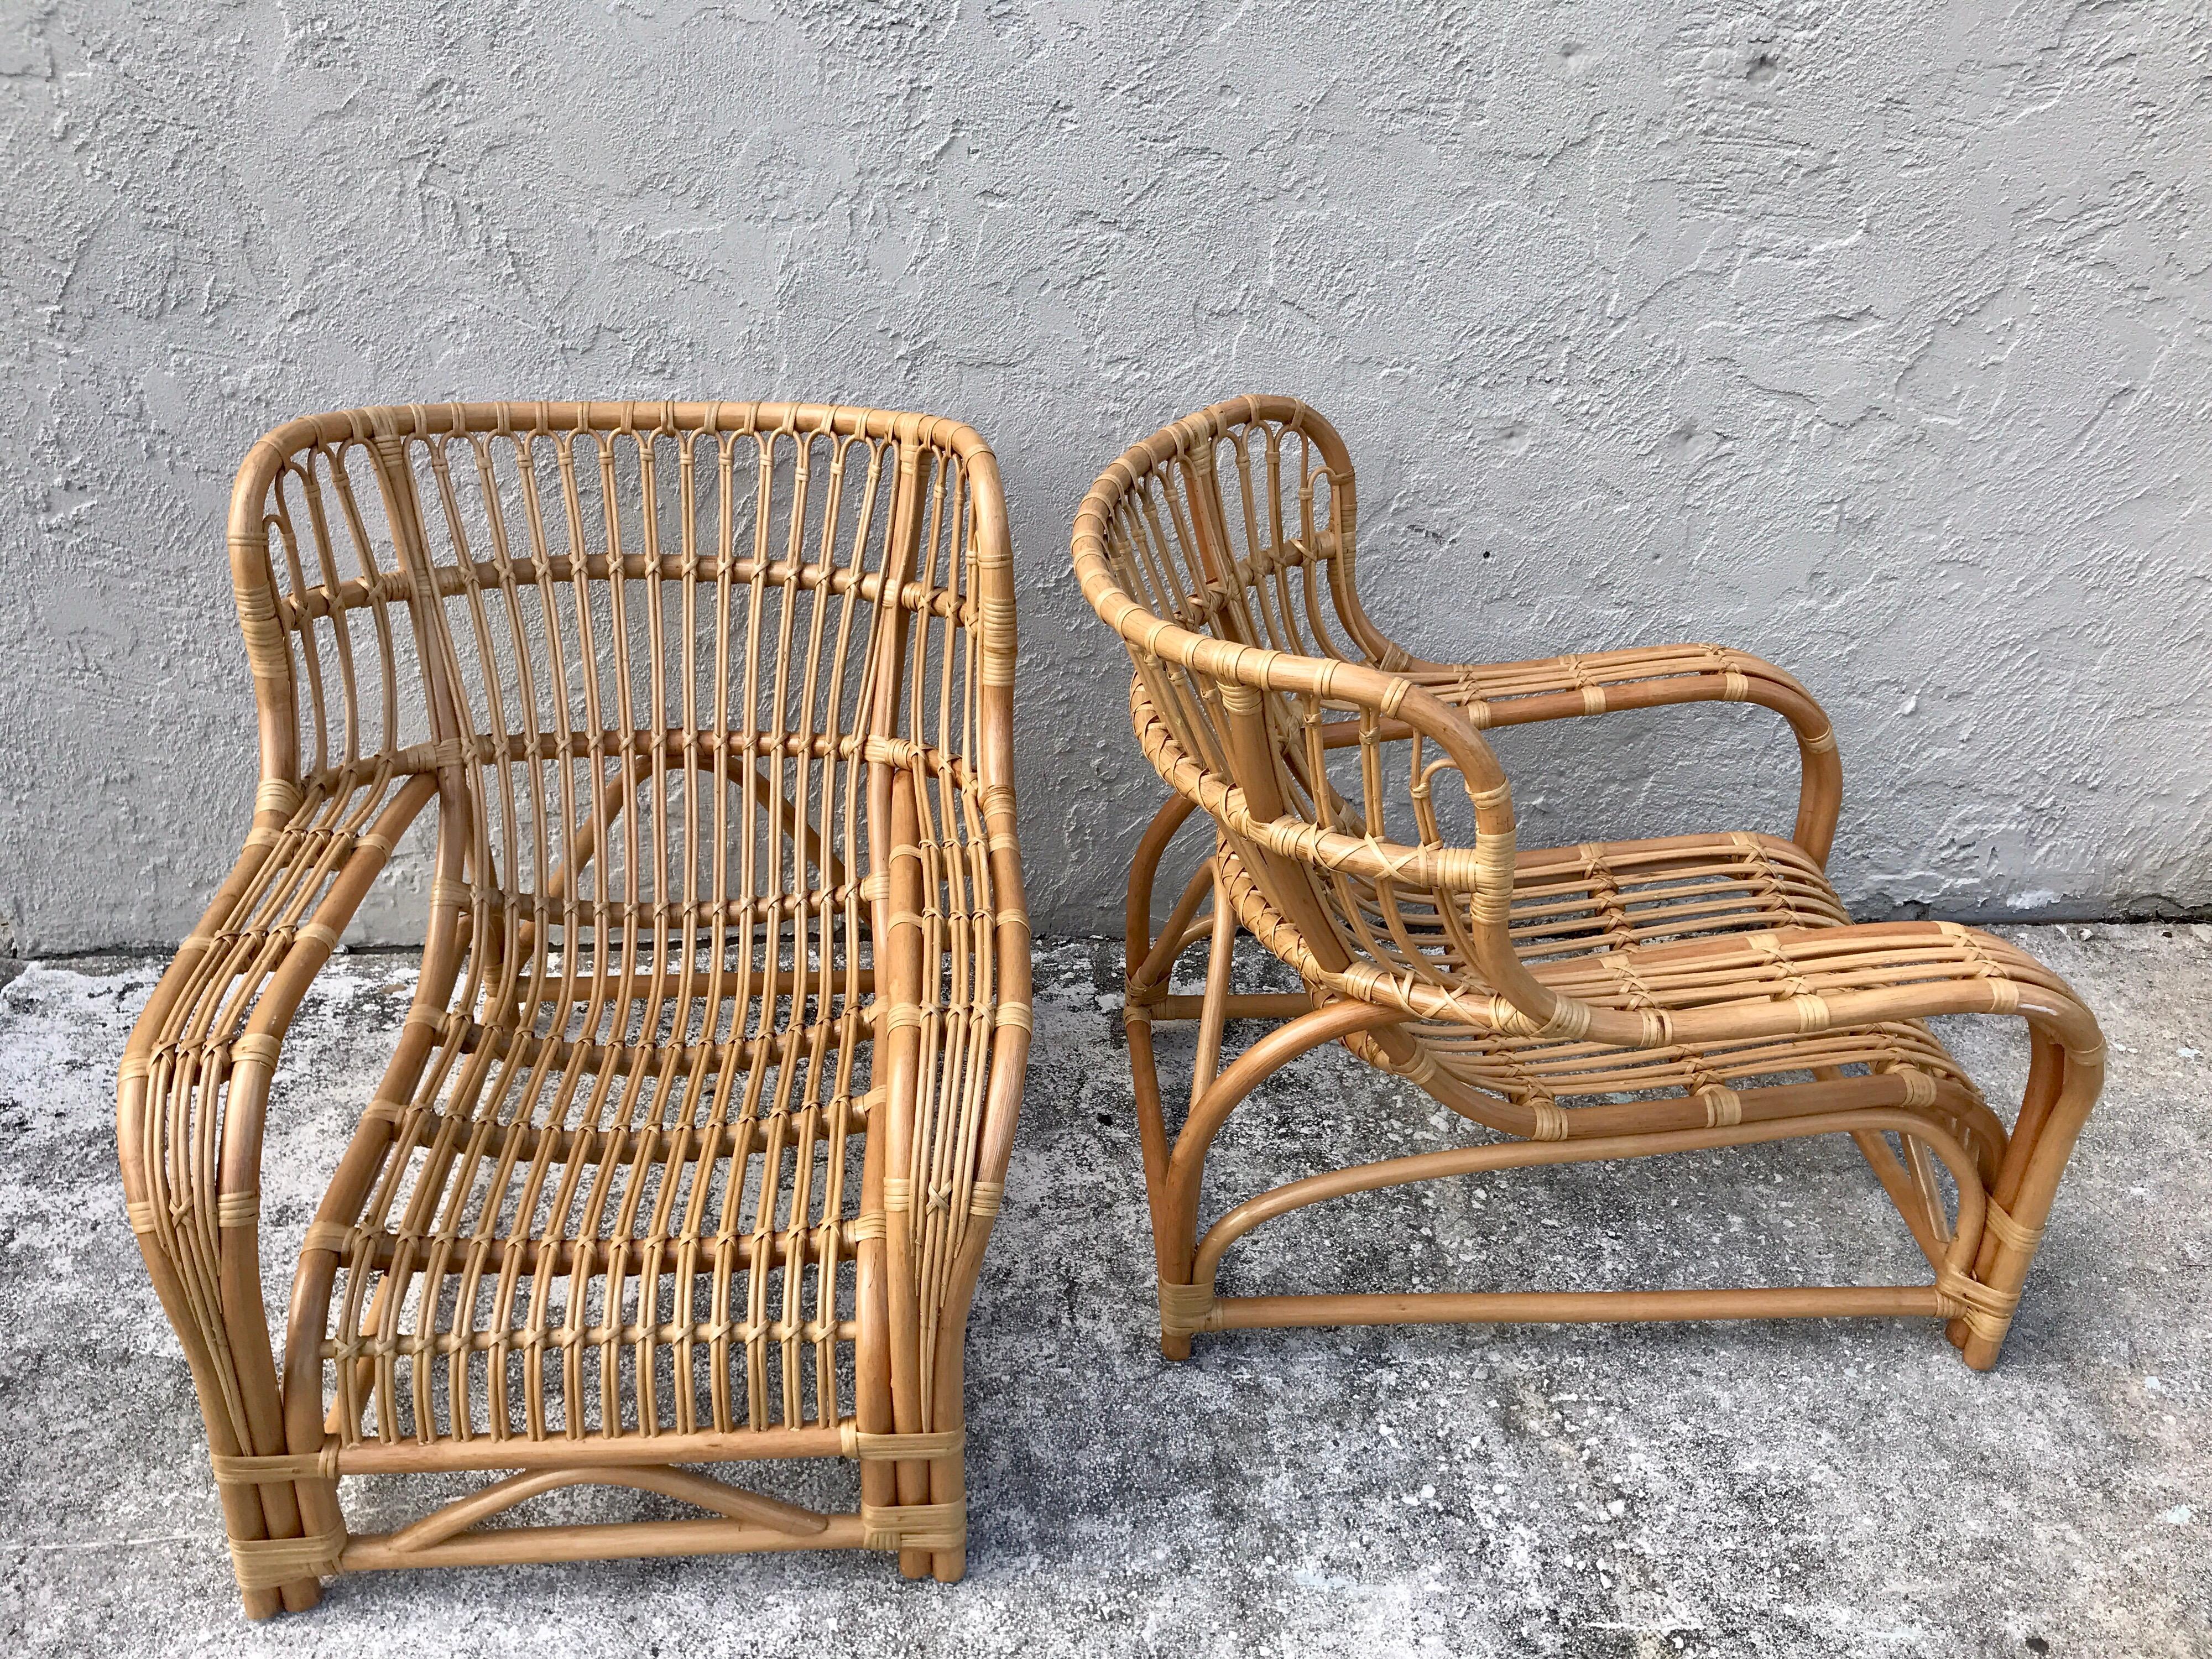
(697, 1123)
(1697, 991)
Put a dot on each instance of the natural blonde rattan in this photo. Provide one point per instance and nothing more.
(698, 1121)
(1691, 992)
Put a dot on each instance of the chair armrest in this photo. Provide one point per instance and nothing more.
(1602, 682)
(953, 983)
(1492, 694)
(194, 1080)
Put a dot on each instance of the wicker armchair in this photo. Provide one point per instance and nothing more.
(1691, 992)
(698, 1121)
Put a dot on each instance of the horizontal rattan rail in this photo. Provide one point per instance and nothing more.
(1603, 1001)
(698, 1121)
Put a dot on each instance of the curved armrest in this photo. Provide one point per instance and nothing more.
(194, 1080)
(1602, 682)
(1492, 694)
(952, 979)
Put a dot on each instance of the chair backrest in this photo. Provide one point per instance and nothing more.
(1221, 549)
(1242, 523)
(659, 655)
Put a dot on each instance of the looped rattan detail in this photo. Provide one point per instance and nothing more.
(1919, 1087)
(278, 795)
(714, 704)
(238, 1209)
(1550, 1124)
(1724, 1107)
(1680, 993)
(259, 1048)
(1987, 1311)
(1186, 1308)
(1999, 1221)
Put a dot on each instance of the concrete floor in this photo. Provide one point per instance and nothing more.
(1813, 1488)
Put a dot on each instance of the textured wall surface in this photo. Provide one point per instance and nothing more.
(1877, 340)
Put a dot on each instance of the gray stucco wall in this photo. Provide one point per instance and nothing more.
(1877, 340)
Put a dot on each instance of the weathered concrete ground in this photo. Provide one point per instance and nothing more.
(1799, 1489)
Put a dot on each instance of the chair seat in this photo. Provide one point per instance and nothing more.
(592, 1235)
(1569, 900)
(1644, 925)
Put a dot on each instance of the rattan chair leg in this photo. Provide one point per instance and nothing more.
(2045, 1073)
(1143, 989)
(2049, 1144)
(256, 1373)
(948, 1484)
(1177, 1192)
(244, 1524)
(1207, 1063)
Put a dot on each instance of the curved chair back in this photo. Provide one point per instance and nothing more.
(1221, 549)
(646, 643)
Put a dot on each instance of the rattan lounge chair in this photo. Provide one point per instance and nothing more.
(698, 1121)
(1697, 991)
